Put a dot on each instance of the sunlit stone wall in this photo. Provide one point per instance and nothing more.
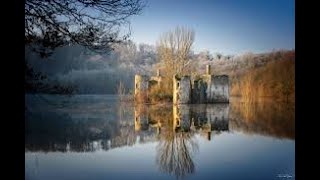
(181, 90)
(141, 86)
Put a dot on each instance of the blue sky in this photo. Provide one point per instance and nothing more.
(226, 26)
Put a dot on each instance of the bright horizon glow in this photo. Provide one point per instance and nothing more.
(227, 27)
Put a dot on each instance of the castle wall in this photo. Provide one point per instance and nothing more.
(218, 88)
(181, 90)
(199, 95)
(141, 84)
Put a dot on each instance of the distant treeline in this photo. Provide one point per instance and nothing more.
(88, 72)
(91, 73)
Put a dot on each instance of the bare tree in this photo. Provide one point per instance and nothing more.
(174, 53)
(94, 24)
(174, 48)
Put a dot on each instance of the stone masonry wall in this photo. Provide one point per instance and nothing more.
(181, 90)
(141, 87)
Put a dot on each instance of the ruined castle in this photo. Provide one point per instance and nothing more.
(203, 89)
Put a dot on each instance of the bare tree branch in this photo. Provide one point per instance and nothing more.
(94, 24)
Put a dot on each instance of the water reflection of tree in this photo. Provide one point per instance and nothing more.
(175, 150)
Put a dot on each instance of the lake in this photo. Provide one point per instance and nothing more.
(96, 137)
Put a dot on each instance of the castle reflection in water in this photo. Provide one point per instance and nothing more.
(64, 132)
(127, 125)
(174, 128)
(195, 119)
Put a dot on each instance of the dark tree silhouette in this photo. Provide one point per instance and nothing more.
(94, 24)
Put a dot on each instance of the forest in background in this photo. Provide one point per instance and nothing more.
(252, 75)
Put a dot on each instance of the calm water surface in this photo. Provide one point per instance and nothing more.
(95, 137)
